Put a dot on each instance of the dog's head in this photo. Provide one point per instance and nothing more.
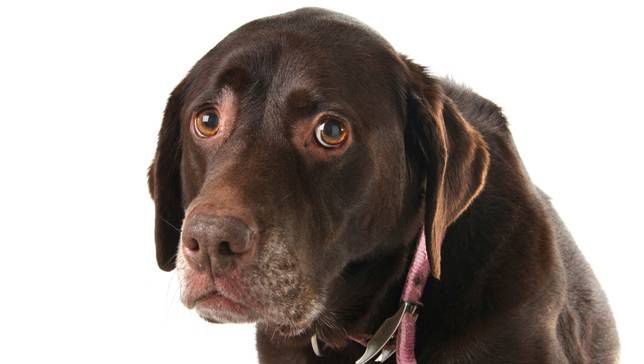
(295, 158)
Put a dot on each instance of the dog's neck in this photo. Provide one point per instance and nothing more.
(359, 312)
(355, 313)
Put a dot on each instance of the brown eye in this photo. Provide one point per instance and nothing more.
(331, 132)
(207, 123)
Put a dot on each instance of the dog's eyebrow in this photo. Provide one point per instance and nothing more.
(302, 102)
(235, 78)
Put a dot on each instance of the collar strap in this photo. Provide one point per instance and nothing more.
(403, 321)
(414, 286)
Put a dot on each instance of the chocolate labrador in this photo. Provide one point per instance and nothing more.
(299, 162)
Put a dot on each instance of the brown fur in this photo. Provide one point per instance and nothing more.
(337, 228)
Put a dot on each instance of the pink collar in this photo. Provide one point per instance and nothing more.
(403, 321)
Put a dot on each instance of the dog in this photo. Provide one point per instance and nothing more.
(298, 164)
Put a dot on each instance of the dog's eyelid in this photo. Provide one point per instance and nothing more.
(211, 100)
(332, 114)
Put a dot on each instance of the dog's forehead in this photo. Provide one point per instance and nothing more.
(303, 56)
(315, 31)
(330, 52)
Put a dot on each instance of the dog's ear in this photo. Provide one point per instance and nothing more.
(164, 181)
(452, 154)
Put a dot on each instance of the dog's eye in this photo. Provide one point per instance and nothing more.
(331, 132)
(207, 123)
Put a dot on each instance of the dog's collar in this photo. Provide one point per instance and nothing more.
(403, 321)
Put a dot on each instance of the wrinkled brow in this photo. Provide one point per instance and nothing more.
(235, 77)
(302, 102)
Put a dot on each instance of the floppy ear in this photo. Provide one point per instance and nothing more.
(164, 181)
(453, 153)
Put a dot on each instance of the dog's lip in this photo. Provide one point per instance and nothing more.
(204, 296)
(213, 301)
(212, 297)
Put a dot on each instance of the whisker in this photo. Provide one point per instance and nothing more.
(174, 256)
(172, 226)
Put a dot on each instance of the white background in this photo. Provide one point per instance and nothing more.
(82, 89)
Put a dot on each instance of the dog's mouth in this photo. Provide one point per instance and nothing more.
(217, 306)
(218, 302)
(214, 303)
(270, 292)
(213, 306)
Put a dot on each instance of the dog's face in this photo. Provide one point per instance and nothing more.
(287, 158)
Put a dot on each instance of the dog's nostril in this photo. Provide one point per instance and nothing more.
(224, 249)
(192, 245)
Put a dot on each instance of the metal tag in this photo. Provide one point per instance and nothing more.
(384, 333)
(386, 352)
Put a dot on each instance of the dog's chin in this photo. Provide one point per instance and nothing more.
(216, 316)
(216, 308)
(221, 317)
(284, 331)
(286, 326)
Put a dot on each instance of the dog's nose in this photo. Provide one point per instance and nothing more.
(218, 242)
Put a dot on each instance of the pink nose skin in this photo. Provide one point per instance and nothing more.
(218, 243)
